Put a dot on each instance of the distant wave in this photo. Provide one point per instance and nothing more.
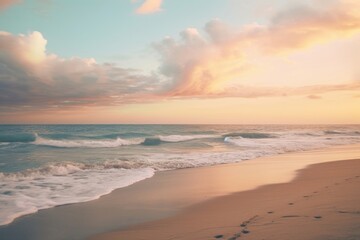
(249, 135)
(346, 133)
(153, 141)
(125, 135)
(182, 138)
(111, 143)
(332, 132)
(105, 143)
(62, 140)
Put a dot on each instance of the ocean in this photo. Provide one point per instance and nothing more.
(43, 166)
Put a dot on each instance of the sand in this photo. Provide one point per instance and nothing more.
(322, 202)
(202, 203)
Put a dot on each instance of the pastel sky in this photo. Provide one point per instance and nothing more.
(179, 61)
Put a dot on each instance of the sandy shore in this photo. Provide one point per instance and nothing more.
(323, 202)
(200, 203)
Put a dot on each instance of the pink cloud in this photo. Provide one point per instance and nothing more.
(198, 64)
(32, 77)
(195, 65)
(149, 6)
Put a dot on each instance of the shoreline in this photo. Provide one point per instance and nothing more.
(322, 202)
(167, 194)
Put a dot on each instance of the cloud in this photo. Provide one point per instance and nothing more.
(149, 6)
(246, 91)
(197, 64)
(7, 3)
(29, 76)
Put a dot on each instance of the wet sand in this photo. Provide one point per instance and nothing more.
(322, 202)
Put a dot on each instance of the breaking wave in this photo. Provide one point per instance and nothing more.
(152, 141)
(250, 135)
(111, 143)
(105, 143)
(33, 189)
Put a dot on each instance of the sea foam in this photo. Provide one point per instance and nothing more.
(112, 143)
(105, 143)
(28, 191)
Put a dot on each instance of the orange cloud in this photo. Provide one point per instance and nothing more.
(149, 6)
(197, 66)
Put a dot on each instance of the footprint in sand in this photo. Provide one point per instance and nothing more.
(290, 216)
(236, 236)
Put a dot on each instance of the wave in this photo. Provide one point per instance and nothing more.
(249, 135)
(31, 137)
(68, 168)
(105, 143)
(346, 133)
(333, 132)
(112, 143)
(153, 141)
(31, 190)
(182, 138)
(125, 135)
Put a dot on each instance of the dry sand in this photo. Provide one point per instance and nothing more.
(323, 202)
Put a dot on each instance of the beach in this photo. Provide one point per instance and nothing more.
(169, 120)
(322, 202)
(204, 202)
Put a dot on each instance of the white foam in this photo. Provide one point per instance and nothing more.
(27, 192)
(182, 138)
(290, 142)
(106, 143)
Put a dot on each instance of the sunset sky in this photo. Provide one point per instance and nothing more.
(180, 61)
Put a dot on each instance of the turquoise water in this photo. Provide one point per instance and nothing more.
(43, 166)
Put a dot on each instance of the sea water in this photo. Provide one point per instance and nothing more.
(42, 166)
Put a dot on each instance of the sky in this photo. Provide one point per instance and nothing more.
(176, 61)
